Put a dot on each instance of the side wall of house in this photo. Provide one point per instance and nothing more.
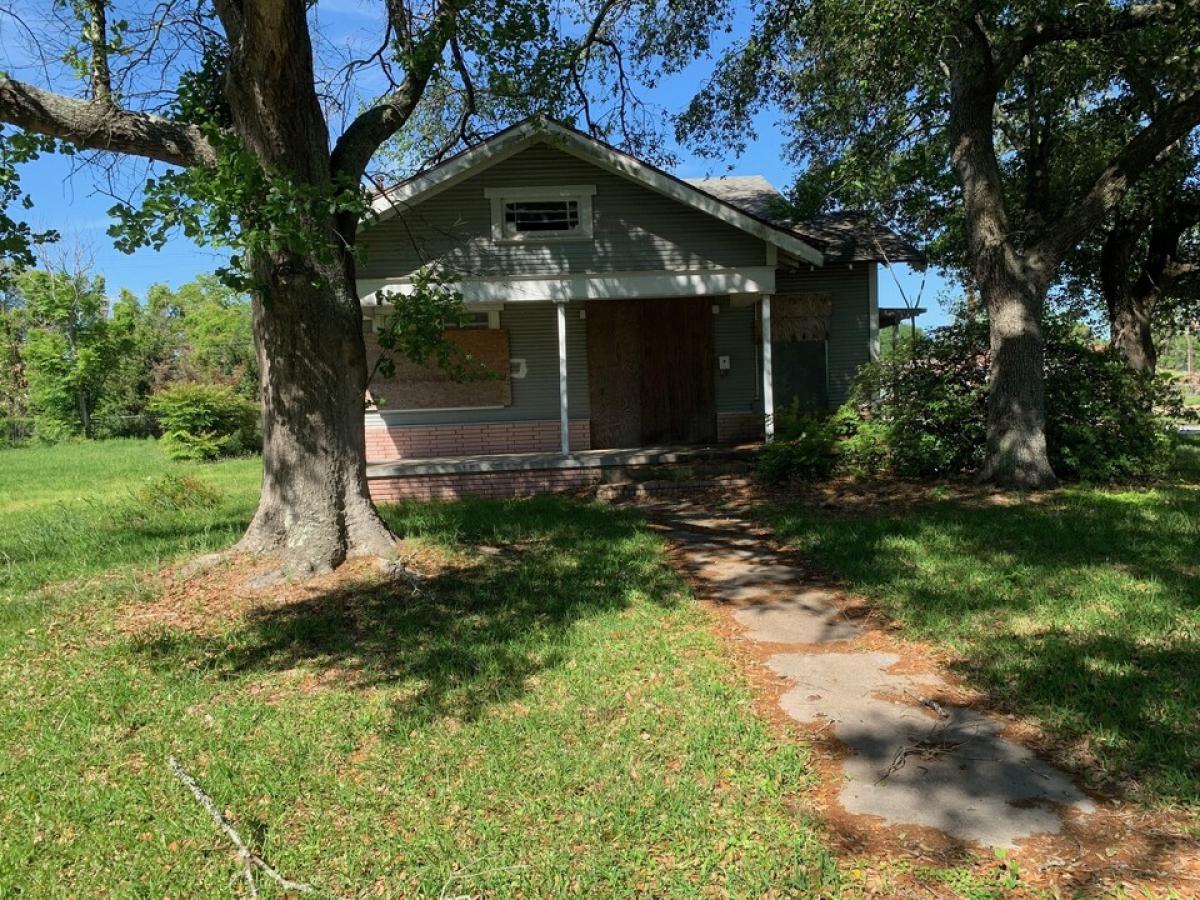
(850, 332)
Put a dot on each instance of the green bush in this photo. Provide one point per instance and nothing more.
(171, 493)
(805, 452)
(16, 431)
(205, 421)
(923, 415)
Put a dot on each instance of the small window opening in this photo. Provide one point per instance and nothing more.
(537, 216)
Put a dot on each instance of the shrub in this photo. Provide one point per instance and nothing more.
(805, 453)
(205, 421)
(169, 493)
(924, 415)
(16, 431)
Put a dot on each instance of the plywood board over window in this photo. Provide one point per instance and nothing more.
(801, 317)
(426, 386)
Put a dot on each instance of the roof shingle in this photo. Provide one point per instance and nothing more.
(843, 237)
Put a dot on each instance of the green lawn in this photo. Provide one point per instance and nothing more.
(549, 720)
(1081, 609)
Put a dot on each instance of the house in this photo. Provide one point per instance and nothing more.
(620, 308)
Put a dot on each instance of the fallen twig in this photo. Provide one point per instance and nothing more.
(931, 704)
(250, 860)
(399, 570)
(931, 747)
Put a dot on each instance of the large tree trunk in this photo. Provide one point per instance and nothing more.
(315, 509)
(1016, 424)
(1130, 301)
(1129, 318)
(1013, 289)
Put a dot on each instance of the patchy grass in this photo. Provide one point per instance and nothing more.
(75, 511)
(1081, 608)
(549, 719)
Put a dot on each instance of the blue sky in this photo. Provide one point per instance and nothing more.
(69, 202)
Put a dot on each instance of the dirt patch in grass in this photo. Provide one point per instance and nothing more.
(209, 599)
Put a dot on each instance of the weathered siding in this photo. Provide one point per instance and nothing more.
(636, 229)
(734, 336)
(850, 331)
(533, 337)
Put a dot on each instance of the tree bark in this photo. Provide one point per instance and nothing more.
(1016, 425)
(1130, 303)
(1012, 287)
(1129, 320)
(1132, 290)
(315, 509)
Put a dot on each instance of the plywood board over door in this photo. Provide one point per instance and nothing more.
(650, 372)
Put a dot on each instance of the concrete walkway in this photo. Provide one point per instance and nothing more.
(913, 761)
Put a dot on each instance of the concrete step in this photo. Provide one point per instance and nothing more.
(624, 491)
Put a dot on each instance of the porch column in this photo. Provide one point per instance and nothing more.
(768, 386)
(564, 422)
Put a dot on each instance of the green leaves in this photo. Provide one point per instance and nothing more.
(415, 329)
(17, 239)
(241, 206)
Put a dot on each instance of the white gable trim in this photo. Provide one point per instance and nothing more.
(509, 143)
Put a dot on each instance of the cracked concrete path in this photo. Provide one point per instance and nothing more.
(912, 761)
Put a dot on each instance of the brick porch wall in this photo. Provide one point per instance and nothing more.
(482, 484)
(739, 428)
(425, 441)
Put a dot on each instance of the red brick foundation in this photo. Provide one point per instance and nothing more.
(427, 441)
(739, 428)
(483, 484)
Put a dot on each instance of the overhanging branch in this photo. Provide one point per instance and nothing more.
(1138, 155)
(367, 133)
(98, 125)
(1075, 27)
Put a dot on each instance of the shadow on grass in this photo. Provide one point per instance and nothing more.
(1083, 609)
(472, 637)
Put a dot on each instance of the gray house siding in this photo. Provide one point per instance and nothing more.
(532, 337)
(734, 336)
(850, 330)
(636, 229)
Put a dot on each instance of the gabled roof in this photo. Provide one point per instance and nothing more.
(540, 130)
(843, 236)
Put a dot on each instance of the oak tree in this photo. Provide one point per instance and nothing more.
(242, 101)
(960, 103)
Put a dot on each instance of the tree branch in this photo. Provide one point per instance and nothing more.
(367, 133)
(1138, 155)
(1072, 27)
(96, 32)
(98, 125)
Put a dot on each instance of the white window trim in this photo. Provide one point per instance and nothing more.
(582, 193)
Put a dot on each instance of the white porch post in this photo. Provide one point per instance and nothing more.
(564, 421)
(768, 386)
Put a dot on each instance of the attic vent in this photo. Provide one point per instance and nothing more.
(541, 213)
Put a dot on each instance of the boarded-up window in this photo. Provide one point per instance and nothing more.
(801, 317)
(425, 386)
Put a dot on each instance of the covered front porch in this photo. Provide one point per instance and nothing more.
(587, 372)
